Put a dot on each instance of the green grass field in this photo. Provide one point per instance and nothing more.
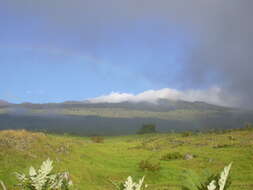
(93, 165)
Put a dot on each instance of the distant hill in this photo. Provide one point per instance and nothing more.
(4, 103)
(87, 118)
(161, 105)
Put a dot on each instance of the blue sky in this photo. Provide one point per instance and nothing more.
(53, 51)
(45, 63)
(41, 74)
(41, 77)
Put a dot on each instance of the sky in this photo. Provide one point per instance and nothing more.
(127, 50)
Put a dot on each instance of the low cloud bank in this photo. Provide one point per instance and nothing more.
(214, 95)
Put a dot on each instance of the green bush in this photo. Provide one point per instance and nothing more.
(187, 134)
(172, 156)
(148, 165)
(97, 139)
(222, 146)
(147, 128)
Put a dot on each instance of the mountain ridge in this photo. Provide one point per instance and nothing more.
(85, 118)
(160, 104)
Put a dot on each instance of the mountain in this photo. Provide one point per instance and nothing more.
(4, 103)
(84, 118)
(162, 105)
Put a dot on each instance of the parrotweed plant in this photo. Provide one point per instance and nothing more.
(129, 184)
(44, 178)
(221, 184)
(2, 185)
(215, 182)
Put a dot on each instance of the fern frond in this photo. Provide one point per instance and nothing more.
(224, 176)
(2, 185)
(212, 185)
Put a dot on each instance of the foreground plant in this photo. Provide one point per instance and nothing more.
(129, 184)
(215, 182)
(2, 185)
(221, 184)
(44, 178)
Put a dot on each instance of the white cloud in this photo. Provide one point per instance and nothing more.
(214, 95)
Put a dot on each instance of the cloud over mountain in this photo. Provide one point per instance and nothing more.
(214, 95)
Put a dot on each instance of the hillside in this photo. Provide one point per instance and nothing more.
(86, 118)
(93, 165)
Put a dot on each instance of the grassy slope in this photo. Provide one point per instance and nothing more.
(93, 165)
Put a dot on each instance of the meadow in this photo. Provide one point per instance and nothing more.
(167, 161)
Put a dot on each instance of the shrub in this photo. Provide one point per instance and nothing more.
(187, 134)
(20, 139)
(44, 178)
(97, 139)
(222, 146)
(231, 138)
(172, 156)
(147, 165)
(147, 128)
